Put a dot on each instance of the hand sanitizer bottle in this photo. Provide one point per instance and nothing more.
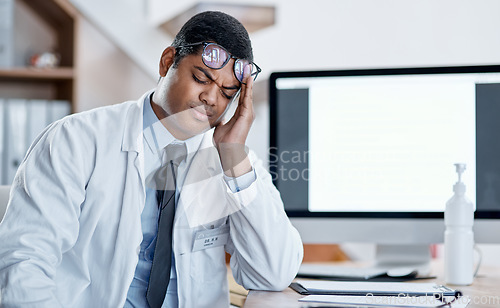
(458, 237)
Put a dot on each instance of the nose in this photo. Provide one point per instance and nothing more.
(209, 95)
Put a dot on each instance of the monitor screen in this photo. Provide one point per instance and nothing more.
(382, 143)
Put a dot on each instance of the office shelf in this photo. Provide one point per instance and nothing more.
(46, 83)
(34, 74)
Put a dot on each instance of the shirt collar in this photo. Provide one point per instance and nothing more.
(157, 136)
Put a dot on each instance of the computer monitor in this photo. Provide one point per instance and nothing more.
(368, 155)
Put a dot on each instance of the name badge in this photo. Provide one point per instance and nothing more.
(204, 239)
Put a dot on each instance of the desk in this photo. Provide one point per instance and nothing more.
(484, 291)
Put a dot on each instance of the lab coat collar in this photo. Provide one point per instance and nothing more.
(132, 132)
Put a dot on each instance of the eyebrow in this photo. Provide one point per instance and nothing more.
(207, 74)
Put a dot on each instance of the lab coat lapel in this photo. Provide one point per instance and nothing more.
(133, 141)
(134, 195)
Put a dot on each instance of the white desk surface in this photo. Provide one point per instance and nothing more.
(484, 291)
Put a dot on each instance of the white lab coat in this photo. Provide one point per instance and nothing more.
(71, 234)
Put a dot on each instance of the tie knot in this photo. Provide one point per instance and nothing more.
(175, 152)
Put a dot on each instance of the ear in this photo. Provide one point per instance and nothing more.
(166, 60)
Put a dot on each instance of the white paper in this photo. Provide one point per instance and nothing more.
(385, 301)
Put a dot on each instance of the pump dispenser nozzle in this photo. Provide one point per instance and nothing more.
(459, 187)
(460, 169)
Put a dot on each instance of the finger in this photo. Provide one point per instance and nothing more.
(247, 87)
(245, 105)
(245, 100)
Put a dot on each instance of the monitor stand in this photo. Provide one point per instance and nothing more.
(404, 257)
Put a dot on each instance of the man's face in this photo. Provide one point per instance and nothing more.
(192, 97)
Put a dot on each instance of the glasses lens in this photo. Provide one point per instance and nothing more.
(215, 56)
(243, 68)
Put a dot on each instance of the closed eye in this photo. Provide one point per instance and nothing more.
(226, 95)
(198, 80)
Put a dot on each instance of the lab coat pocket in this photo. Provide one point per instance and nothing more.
(208, 253)
(208, 264)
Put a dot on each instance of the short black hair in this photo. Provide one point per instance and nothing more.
(217, 27)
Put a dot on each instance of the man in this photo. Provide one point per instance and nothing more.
(84, 224)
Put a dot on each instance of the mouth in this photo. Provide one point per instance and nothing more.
(201, 113)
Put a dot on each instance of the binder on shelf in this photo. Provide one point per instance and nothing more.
(6, 33)
(59, 109)
(2, 146)
(16, 136)
(24, 121)
(38, 119)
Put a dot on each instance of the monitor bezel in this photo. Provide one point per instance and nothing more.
(479, 214)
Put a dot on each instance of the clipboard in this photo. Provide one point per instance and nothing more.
(352, 288)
